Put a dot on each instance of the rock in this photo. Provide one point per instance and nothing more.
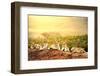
(84, 55)
(51, 54)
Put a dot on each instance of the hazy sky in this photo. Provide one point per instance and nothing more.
(64, 25)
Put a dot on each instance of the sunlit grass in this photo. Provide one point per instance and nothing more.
(70, 41)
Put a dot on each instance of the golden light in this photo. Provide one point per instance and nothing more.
(63, 25)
